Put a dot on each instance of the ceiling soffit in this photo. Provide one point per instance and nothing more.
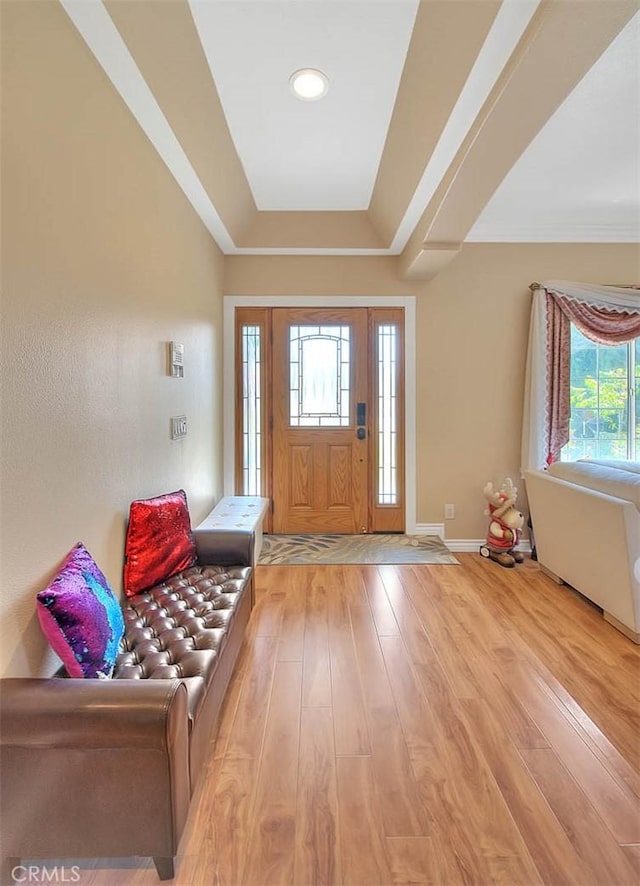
(435, 72)
(301, 155)
(153, 55)
(164, 43)
(605, 178)
(573, 34)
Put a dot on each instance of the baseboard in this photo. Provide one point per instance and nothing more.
(430, 529)
(462, 545)
(551, 574)
(623, 628)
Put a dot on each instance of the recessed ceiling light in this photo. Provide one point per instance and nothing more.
(309, 84)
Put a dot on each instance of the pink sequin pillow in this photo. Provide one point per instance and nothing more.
(159, 541)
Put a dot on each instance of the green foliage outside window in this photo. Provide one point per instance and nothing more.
(602, 411)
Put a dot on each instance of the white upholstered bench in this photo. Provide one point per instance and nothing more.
(236, 520)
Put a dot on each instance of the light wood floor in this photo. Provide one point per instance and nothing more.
(420, 725)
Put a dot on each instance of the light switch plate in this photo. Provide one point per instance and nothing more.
(178, 427)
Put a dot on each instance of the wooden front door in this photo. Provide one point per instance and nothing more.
(320, 434)
(320, 417)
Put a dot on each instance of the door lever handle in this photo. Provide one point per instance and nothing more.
(361, 433)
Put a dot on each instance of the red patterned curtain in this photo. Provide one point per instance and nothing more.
(606, 327)
(603, 326)
(558, 371)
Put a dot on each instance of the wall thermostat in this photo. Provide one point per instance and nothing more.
(176, 359)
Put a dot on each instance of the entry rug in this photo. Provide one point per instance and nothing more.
(392, 550)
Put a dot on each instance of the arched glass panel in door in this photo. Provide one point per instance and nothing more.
(320, 366)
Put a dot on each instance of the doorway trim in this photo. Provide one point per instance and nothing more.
(408, 302)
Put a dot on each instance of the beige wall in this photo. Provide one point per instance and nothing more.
(471, 337)
(103, 262)
(474, 323)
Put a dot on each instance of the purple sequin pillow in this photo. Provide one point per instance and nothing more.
(81, 617)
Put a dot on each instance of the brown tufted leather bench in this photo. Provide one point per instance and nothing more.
(139, 740)
(180, 630)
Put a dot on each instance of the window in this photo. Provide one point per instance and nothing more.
(605, 400)
(387, 424)
(251, 393)
(319, 362)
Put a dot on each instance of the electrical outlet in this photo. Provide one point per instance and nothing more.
(449, 512)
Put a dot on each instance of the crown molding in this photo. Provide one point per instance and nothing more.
(570, 233)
